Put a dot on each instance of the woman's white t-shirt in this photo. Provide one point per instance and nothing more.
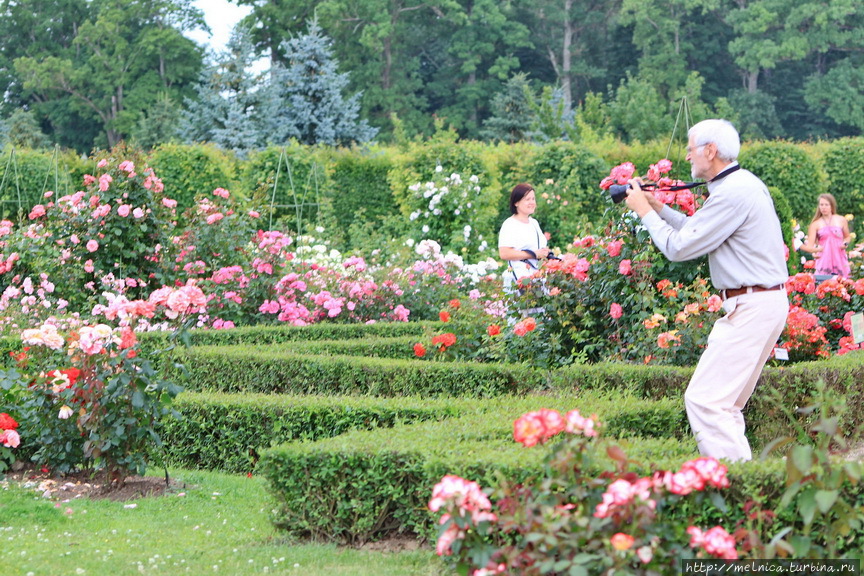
(520, 235)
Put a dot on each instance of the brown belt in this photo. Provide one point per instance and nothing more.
(732, 292)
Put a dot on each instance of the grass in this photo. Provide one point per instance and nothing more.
(215, 524)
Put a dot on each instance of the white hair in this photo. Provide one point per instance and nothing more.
(719, 132)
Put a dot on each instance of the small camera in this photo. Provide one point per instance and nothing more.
(618, 192)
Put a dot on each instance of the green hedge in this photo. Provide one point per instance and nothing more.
(263, 335)
(241, 369)
(358, 191)
(27, 174)
(844, 164)
(370, 485)
(787, 167)
(292, 183)
(190, 170)
(226, 431)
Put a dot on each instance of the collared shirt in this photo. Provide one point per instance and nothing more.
(737, 227)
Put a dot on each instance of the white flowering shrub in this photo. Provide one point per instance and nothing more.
(457, 212)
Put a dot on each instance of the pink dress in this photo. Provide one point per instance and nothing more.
(832, 260)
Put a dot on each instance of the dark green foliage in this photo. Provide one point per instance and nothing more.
(756, 115)
(158, 125)
(190, 170)
(358, 191)
(788, 168)
(844, 165)
(565, 177)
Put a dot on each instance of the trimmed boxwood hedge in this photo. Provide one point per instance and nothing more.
(369, 485)
(227, 431)
(283, 333)
(241, 369)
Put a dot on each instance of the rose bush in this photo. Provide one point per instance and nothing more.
(570, 520)
(86, 396)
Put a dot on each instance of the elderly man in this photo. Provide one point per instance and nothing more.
(738, 229)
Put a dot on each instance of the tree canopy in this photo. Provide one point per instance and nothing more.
(94, 72)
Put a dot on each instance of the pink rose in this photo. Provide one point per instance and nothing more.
(123, 210)
(624, 267)
(92, 245)
(615, 311)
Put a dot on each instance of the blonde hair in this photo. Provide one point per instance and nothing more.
(831, 201)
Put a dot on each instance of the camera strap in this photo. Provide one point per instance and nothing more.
(689, 185)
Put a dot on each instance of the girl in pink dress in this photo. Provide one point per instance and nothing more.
(827, 239)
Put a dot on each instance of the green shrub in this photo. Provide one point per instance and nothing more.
(788, 168)
(190, 170)
(284, 333)
(565, 177)
(226, 431)
(844, 164)
(241, 369)
(387, 478)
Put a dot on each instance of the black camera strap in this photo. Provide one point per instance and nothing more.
(689, 185)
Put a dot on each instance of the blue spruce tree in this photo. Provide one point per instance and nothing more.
(306, 101)
(230, 109)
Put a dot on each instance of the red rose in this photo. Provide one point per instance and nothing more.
(493, 329)
(7, 422)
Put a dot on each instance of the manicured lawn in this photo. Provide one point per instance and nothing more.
(215, 524)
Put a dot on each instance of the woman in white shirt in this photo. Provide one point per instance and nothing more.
(521, 242)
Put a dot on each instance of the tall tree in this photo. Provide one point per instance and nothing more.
(41, 29)
(662, 31)
(566, 30)
(306, 100)
(229, 104)
(478, 45)
(512, 115)
(124, 55)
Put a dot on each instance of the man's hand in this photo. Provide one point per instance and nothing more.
(637, 200)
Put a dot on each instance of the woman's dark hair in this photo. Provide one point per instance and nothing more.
(519, 192)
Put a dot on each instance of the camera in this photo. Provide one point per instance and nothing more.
(618, 192)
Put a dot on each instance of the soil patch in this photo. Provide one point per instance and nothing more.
(395, 544)
(62, 487)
